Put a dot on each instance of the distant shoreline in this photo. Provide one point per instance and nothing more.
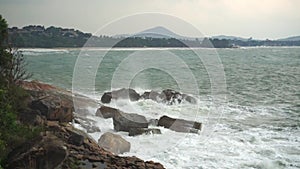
(146, 48)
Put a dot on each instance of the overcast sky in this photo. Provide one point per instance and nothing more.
(246, 18)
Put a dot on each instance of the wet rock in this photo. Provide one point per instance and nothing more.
(140, 131)
(153, 95)
(189, 99)
(179, 125)
(114, 143)
(170, 96)
(130, 94)
(106, 112)
(125, 94)
(106, 97)
(86, 123)
(125, 121)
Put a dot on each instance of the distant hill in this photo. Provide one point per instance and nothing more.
(157, 32)
(293, 38)
(33, 36)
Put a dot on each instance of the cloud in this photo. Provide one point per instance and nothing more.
(257, 18)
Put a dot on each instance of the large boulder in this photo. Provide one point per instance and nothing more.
(125, 121)
(106, 112)
(130, 94)
(179, 125)
(54, 107)
(140, 131)
(114, 143)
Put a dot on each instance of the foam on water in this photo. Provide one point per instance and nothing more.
(244, 137)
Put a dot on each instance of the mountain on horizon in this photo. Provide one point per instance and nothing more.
(157, 32)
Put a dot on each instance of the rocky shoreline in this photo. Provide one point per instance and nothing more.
(60, 145)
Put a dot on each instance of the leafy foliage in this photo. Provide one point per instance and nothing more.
(12, 97)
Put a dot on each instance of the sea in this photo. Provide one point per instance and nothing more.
(248, 100)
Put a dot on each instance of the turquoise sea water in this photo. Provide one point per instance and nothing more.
(260, 124)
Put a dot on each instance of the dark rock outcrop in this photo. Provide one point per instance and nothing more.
(106, 112)
(106, 97)
(125, 121)
(114, 143)
(140, 131)
(179, 125)
(130, 94)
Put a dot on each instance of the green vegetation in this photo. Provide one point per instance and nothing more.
(12, 97)
(52, 37)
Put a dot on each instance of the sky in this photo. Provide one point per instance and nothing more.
(260, 19)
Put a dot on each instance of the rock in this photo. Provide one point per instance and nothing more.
(47, 152)
(179, 125)
(145, 95)
(170, 96)
(32, 117)
(153, 122)
(56, 146)
(125, 94)
(92, 129)
(86, 123)
(125, 121)
(114, 143)
(140, 131)
(106, 112)
(106, 97)
(76, 139)
(130, 94)
(189, 99)
(54, 108)
(151, 95)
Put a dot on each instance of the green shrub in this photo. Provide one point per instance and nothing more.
(12, 98)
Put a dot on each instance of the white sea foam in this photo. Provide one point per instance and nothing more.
(241, 139)
(38, 51)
